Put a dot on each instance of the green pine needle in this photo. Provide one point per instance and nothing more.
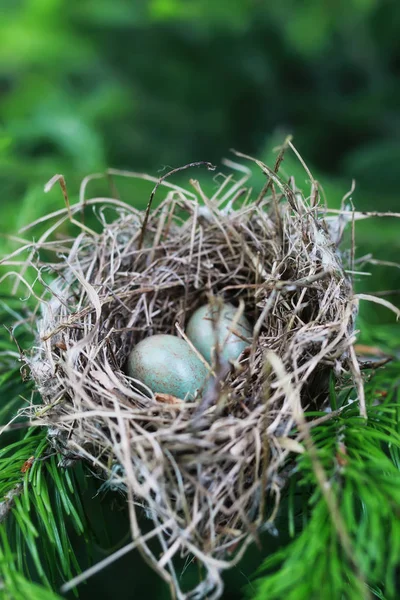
(361, 460)
(13, 585)
(41, 513)
(39, 501)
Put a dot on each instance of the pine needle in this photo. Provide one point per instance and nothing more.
(362, 462)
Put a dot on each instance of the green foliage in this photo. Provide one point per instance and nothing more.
(361, 460)
(98, 84)
(45, 499)
(15, 585)
(142, 85)
(39, 502)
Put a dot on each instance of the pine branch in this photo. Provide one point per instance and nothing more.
(13, 585)
(361, 460)
(49, 500)
(38, 499)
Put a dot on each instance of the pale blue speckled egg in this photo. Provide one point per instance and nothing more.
(205, 329)
(168, 365)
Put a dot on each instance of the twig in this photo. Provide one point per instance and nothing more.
(201, 163)
(9, 499)
(278, 162)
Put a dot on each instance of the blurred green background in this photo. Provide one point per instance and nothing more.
(147, 85)
(143, 84)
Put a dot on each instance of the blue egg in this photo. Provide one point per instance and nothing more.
(209, 326)
(168, 365)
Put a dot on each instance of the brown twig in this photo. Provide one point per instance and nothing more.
(201, 163)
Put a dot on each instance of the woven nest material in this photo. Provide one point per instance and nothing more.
(207, 472)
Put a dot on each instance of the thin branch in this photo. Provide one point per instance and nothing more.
(9, 500)
(201, 163)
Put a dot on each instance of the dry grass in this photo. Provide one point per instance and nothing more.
(207, 473)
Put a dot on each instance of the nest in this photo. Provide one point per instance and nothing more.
(207, 473)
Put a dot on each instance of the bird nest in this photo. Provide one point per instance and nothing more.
(206, 472)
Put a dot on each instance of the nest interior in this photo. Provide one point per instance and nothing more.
(206, 472)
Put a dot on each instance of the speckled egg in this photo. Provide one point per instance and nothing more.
(168, 365)
(205, 329)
